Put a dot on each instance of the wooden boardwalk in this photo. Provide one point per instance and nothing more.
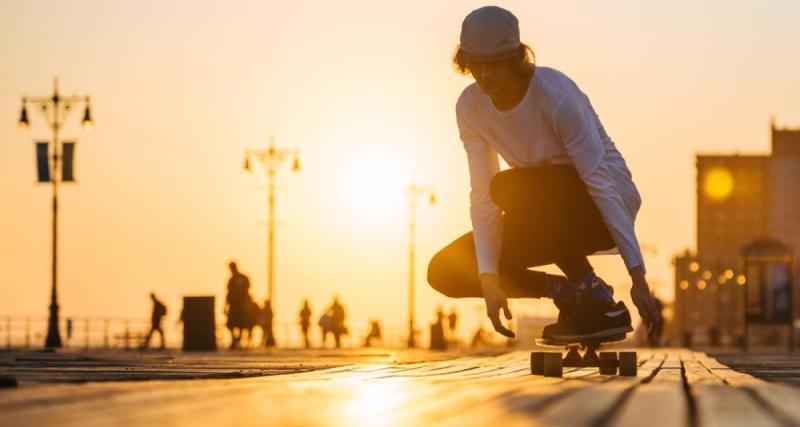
(673, 388)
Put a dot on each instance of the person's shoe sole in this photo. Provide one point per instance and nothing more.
(599, 335)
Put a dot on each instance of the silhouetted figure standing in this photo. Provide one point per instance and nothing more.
(267, 317)
(333, 321)
(374, 333)
(452, 323)
(338, 315)
(159, 311)
(305, 321)
(437, 332)
(654, 337)
(237, 304)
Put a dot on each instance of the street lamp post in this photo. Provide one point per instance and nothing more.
(271, 159)
(414, 193)
(55, 109)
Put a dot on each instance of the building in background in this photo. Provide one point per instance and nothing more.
(740, 199)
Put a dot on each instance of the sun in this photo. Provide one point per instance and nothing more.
(718, 184)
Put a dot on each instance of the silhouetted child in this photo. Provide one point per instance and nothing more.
(325, 323)
(374, 333)
(159, 311)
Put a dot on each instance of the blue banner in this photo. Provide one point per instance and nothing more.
(42, 162)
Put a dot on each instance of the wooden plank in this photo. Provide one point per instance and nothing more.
(718, 404)
(588, 405)
(659, 403)
(513, 406)
(775, 396)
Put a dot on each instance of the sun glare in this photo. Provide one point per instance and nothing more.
(375, 403)
(372, 184)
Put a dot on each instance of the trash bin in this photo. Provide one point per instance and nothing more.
(199, 325)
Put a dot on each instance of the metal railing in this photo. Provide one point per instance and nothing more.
(129, 333)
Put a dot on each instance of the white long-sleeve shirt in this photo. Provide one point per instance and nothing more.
(554, 123)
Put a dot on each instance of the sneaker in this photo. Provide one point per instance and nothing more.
(566, 307)
(592, 320)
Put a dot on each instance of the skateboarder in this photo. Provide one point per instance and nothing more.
(568, 193)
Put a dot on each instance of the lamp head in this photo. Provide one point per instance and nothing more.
(23, 117)
(87, 117)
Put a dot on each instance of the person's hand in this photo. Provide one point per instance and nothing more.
(644, 301)
(495, 300)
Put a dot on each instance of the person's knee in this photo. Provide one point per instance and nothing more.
(438, 276)
(502, 185)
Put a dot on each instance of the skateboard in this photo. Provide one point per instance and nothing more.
(551, 364)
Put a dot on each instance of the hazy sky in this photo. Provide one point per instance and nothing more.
(365, 91)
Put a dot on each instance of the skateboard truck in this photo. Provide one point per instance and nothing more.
(551, 364)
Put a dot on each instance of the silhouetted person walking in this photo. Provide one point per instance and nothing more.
(305, 322)
(159, 311)
(567, 195)
(237, 304)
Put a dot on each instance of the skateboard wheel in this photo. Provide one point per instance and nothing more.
(553, 365)
(608, 363)
(627, 363)
(537, 362)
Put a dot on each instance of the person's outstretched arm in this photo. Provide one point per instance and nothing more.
(575, 123)
(486, 220)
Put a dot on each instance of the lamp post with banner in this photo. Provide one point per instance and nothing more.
(55, 164)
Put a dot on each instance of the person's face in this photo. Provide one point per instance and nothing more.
(492, 77)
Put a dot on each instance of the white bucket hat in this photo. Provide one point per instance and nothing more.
(488, 34)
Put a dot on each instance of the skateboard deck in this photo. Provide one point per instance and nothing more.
(550, 363)
(585, 343)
